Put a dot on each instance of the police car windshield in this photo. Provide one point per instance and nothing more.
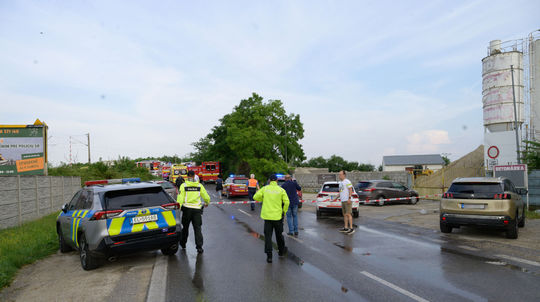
(135, 198)
(280, 182)
(240, 181)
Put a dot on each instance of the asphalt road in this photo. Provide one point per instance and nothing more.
(382, 261)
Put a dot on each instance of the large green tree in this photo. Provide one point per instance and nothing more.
(256, 137)
(336, 163)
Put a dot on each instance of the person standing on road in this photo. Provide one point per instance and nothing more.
(292, 188)
(253, 187)
(275, 204)
(345, 194)
(219, 187)
(189, 199)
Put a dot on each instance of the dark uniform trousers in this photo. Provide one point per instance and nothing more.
(251, 193)
(193, 216)
(273, 226)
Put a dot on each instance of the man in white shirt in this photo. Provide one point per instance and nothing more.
(345, 194)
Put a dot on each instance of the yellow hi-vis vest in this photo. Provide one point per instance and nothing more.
(190, 195)
(275, 201)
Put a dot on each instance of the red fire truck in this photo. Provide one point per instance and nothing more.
(208, 171)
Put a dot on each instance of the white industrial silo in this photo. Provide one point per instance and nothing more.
(498, 103)
(534, 83)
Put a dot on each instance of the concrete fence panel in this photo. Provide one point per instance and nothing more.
(25, 198)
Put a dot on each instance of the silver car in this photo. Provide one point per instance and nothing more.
(103, 221)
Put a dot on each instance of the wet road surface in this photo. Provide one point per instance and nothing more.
(382, 261)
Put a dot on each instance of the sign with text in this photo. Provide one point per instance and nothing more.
(516, 173)
(22, 150)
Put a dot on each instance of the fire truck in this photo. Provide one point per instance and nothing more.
(178, 171)
(165, 172)
(208, 171)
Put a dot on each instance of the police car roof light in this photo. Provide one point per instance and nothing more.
(95, 182)
(132, 179)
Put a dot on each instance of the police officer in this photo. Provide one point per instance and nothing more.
(275, 205)
(190, 201)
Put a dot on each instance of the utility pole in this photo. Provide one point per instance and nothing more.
(515, 115)
(70, 158)
(88, 136)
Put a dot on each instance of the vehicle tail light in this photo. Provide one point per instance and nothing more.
(171, 206)
(321, 195)
(501, 196)
(506, 222)
(444, 218)
(448, 195)
(105, 214)
(369, 190)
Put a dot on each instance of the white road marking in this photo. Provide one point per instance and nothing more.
(470, 248)
(158, 283)
(529, 262)
(244, 212)
(394, 287)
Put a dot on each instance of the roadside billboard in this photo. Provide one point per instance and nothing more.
(23, 149)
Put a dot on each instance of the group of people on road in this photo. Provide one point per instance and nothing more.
(277, 203)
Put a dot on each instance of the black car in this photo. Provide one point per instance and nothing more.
(375, 191)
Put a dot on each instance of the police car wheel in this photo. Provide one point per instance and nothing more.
(170, 250)
(64, 247)
(88, 262)
(319, 214)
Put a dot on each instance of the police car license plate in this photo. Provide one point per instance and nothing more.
(142, 219)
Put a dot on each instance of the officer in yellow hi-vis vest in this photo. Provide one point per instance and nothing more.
(190, 201)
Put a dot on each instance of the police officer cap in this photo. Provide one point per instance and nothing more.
(273, 177)
(191, 173)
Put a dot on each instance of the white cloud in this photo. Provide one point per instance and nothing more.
(428, 141)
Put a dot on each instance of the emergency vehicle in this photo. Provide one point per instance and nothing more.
(208, 171)
(108, 218)
(235, 185)
(178, 171)
(165, 172)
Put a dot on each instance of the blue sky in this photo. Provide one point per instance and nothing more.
(147, 78)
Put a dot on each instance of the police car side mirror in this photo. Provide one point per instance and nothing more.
(64, 208)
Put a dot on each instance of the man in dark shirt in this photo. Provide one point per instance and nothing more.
(292, 188)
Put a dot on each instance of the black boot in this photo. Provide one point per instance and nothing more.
(269, 257)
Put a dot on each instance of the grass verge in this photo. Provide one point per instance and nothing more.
(23, 245)
(532, 215)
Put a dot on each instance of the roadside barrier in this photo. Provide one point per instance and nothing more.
(329, 199)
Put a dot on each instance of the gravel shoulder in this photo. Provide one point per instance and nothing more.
(60, 278)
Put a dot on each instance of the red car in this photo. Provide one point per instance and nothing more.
(235, 185)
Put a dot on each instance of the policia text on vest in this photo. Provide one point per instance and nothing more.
(189, 199)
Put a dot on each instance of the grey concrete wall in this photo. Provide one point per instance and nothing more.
(25, 198)
(310, 182)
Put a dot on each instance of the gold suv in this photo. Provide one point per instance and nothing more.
(483, 201)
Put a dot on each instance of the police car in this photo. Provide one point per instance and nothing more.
(329, 191)
(108, 218)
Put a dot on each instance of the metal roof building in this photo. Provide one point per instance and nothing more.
(401, 162)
